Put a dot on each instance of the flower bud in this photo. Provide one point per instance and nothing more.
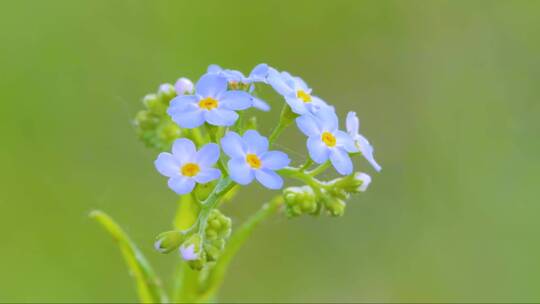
(334, 206)
(354, 183)
(169, 241)
(153, 104)
(218, 226)
(183, 86)
(166, 92)
(300, 200)
(168, 132)
(145, 120)
(191, 252)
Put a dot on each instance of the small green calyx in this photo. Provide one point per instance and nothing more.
(169, 241)
(299, 201)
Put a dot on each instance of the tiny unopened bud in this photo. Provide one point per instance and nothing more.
(169, 241)
(191, 251)
(366, 180)
(183, 86)
(166, 92)
(300, 200)
(335, 206)
(153, 104)
(145, 120)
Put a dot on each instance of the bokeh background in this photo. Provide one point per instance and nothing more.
(447, 91)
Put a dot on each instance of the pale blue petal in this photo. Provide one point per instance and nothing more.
(183, 150)
(236, 100)
(341, 161)
(297, 106)
(183, 102)
(260, 104)
(211, 85)
(259, 73)
(240, 171)
(269, 179)
(352, 123)
(233, 145)
(328, 119)
(220, 117)
(214, 69)
(181, 185)
(208, 155)
(318, 151)
(345, 140)
(300, 84)
(188, 119)
(167, 165)
(255, 142)
(275, 80)
(367, 151)
(308, 125)
(274, 160)
(207, 175)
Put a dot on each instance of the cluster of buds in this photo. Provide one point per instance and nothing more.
(200, 245)
(154, 127)
(330, 196)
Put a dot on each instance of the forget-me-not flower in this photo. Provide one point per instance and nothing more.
(211, 103)
(353, 128)
(251, 159)
(326, 141)
(235, 78)
(296, 92)
(187, 166)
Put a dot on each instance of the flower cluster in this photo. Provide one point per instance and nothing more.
(216, 148)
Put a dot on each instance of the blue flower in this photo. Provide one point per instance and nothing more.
(296, 92)
(187, 166)
(353, 127)
(211, 103)
(235, 78)
(325, 141)
(251, 159)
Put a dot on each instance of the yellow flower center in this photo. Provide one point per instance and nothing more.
(190, 169)
(329, 139)
(208, 103)
(253, 161)
(303, 95)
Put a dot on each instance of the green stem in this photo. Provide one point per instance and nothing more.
(215, 279)
(320, 169)
(285, 119)
(223, 186)
(307, 164)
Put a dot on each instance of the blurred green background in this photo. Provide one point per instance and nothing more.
(447, 92)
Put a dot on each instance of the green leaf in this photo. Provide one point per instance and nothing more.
(148, 285)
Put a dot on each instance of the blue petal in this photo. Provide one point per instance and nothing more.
(297, 105)
(233, 145)
(301, 84)
(214, 69)
(207, 175)
(345, 140)
(240, 171)
(269, 179)
(341, 161)
(328, 119)
(308, 125)
(167, 165)
(188, 118)
(367, 151)
(259, 73)
(181, 185)
(183, 150)
(260, 104)
(183, 102)
(220, 117)
(211, 85)
(275, 160)
(236, 100)
(318, 151)
(208, 155)
(275, 79)
(352, 123)
(255, 143)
